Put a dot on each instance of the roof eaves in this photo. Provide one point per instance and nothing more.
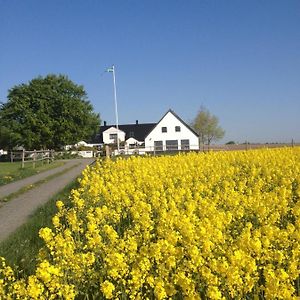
(158, 122)
(188, 126)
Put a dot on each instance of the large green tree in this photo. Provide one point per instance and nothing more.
(48, 112)
(207, 126)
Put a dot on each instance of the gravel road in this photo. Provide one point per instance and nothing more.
(15, 212)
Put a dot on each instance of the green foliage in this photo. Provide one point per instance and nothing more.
(86, 148)
(47, 113)
(7, 137)
(230, 143)
(207, 126)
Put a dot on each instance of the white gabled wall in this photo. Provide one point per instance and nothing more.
(132, 141)
(171, 121)
(113, 130)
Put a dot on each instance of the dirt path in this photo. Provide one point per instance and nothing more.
(13, 187)
(15, 212)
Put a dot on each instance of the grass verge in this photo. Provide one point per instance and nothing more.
(21, 248)
(10, 172)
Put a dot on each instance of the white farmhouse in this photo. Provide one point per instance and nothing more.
(171, 133)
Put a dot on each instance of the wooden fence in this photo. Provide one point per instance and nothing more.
(33, 156)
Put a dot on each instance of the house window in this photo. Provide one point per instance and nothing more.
(185, 144)
(113, 136)
(158, 145)
(132, 146)
(131, 134)
(177, 128)
(172, 145)
(164, 129)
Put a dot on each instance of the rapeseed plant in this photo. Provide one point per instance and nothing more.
(195, 226)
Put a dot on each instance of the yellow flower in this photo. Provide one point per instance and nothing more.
(190, 225)
(107, 289)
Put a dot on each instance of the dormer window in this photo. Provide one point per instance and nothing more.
(131, 134)
(177, 128)
(164, 129)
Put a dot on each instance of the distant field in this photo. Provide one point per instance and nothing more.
(10, 172)
(246, 146)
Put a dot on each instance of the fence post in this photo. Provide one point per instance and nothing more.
(34, 158)
(47, 156)
(23, 158)
(107, 151)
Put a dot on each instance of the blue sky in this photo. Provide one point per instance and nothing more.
(240, 59)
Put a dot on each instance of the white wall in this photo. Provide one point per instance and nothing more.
(132, 141)
(170, 121)
(81, 143)
(113, 130)
(3, 152)
(86, 154)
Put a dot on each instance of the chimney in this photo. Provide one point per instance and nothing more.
(136, 122)
(104, 123)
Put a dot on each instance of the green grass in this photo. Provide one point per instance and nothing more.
(21, 248)
(10, 172)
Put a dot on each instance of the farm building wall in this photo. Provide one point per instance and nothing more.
(171, 134)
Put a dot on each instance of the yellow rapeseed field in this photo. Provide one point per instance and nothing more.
(192, 226)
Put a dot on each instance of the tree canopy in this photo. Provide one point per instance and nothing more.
(207, 126)
(48, 112)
